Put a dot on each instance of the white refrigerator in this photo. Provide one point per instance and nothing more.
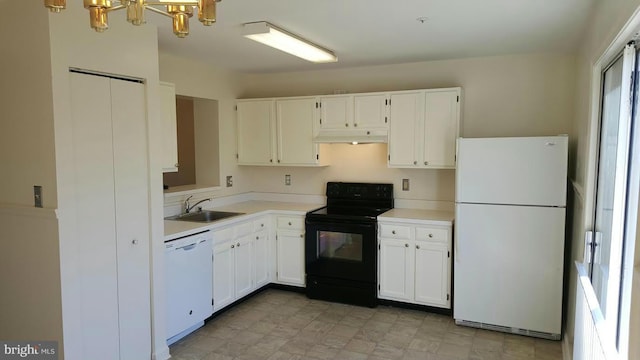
(509, 234)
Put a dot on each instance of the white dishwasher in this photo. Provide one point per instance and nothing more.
(188, 274)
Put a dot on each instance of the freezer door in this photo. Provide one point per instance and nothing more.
(508, 266)
(521, 171)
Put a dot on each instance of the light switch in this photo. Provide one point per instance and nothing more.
(229, 181)
(287, 179)
(405, 184)
(37, 196)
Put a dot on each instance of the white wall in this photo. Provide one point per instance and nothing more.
(199, 80)
(518, 95)
(27, 153)
(124, 50)
(606, 21)
(30, 304)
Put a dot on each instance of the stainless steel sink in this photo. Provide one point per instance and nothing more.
(205, 216)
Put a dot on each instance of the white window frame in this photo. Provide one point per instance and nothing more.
(628, 33)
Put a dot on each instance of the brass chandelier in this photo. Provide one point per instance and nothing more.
(179, 10)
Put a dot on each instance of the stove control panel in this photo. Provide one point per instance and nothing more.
(363, 191)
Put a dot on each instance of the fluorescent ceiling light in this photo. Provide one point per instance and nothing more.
(275, 37)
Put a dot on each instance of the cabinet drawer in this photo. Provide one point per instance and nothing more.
(222, 235)
(432, 234)
(260, 224)
(291, 222)
(244, 229)
(395, 231)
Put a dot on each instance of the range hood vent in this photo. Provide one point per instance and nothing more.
(351, 136)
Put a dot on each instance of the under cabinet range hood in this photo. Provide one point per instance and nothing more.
(351, 136)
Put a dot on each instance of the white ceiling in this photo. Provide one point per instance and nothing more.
(370, 32)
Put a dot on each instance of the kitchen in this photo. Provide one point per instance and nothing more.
(489, 83)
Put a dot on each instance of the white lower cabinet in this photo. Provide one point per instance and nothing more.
(240, 260)
(415, 263)
(223, 269)
(290, 250)
(261, 252)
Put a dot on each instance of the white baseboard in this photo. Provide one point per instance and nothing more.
(161, 354)
(567, 348)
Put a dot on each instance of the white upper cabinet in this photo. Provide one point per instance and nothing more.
(441, 123)
(278, 132)
(406, 114)
(295, 118)
(424, 125)
(336, 112)
(256, 130)
(420, 126)
(357, 117)
(370, 111)
(169, 127)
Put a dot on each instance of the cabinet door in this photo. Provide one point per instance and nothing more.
(290, 248)
(261, 258)
(406, 114)
(295, 132)
(370, 111)
(243, 266)
(223, 275)
(336, 112)
(441, 128)
(431, 274)
(396, 269)
(256, 132)
(169, 127)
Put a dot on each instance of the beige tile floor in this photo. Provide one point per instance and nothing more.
(282, 325)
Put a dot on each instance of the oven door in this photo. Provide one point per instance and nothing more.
(341, 250)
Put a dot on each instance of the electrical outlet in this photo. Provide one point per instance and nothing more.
(405, 184)
(229, 181)
(37, 196)
(287, 179)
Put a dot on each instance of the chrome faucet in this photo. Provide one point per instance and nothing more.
(188, 208)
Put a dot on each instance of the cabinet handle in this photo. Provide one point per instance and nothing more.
(278, 161)
(261, 225)
(289, 223)
(430, 235)
(238, 244)
(415, 163)
(134, 242)
(301, 235)
(233, 246)
(393, 232)
(346, 125)
(270, 160)
(355, 124)
(176, 165)
(406, 245)
(426, 163)
(368, 132)
(418, 247)
(257, 237)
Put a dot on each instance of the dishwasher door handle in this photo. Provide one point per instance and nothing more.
(187, 247)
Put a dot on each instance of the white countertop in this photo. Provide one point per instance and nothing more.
(427, 217)
(174, 229)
